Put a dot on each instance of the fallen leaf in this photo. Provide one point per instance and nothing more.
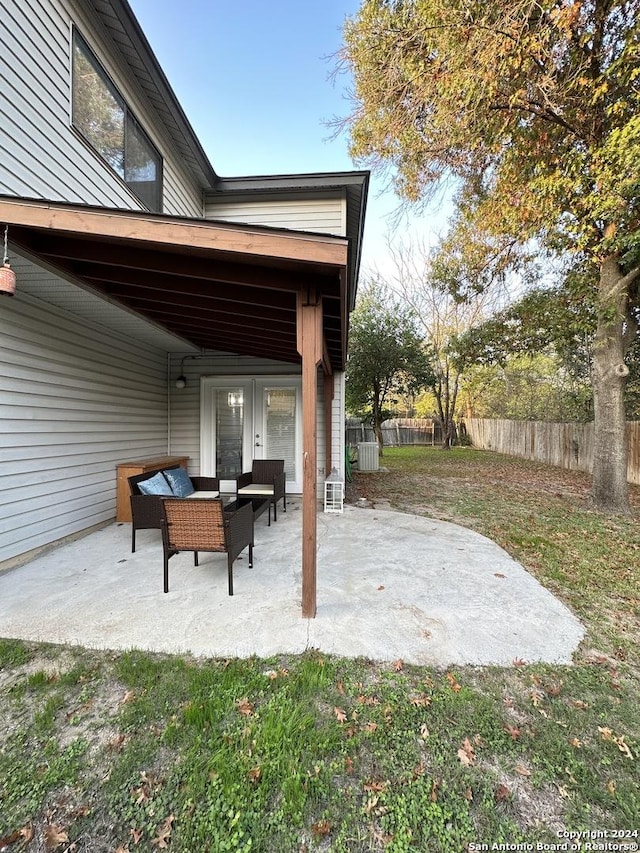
(434, 791)
(24, 834)
(164, 833)
(367, 700)
(513, 731)
(340, 688)
(578, 703)
(370, 805)
(398, 665)
(576, 742)
(122, 849)
(611, 787)
(536, 697)
(553, 689)
(116, 743)
(348, 765)
(54, 837)
(136, 834)
(466, 753)
(499, 575)
(245, 707)
(376, 786)
(453, 684)
(321, 828)
(424, 731)
(501, 793)
(129, 696)
(468, 795)
(521, 770)
(254, 774)
(370, 727)
(421, 701)
(340, 715)
(519, 662)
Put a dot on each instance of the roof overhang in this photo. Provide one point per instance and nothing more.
(218, 286)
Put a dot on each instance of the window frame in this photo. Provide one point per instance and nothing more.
(130, 122)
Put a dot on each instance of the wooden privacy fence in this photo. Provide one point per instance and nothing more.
(396, 432)
(563, 445)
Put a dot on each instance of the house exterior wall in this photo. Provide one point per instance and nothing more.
(76, 400)
(324, 214)
(41, 155)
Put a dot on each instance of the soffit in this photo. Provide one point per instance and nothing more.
(212, 285)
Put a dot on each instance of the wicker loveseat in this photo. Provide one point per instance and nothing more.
(146, 510)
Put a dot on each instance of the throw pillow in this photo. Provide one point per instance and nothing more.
(181, 485)
(156, 485)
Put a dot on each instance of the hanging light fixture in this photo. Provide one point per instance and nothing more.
(7, 275)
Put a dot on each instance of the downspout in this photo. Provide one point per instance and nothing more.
(168, 404)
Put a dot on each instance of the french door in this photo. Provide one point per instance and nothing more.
(244, 419)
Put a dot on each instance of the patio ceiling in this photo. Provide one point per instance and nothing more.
(218, 286)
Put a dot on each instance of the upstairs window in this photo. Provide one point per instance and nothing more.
(102, 117)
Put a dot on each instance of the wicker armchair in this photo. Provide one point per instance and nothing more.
(265, 480)
(202, 524)
(146, 510)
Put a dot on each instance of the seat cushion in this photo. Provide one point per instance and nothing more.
(181, 485)
(204, 494)
(256, 489)
(156, 485)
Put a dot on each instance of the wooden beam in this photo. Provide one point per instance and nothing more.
(310, 347)
(154, 229)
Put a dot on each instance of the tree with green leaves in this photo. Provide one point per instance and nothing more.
(533, 107)
(387, 357)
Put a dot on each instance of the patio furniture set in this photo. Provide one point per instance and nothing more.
(194, 515)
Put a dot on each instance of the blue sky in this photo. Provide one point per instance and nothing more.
(255, 80)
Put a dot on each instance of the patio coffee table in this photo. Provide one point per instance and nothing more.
(259, 505)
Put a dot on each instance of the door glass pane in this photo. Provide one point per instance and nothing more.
(229, 404)
(280, 427)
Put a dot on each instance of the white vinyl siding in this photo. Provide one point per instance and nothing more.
(325, 214)
(337, 424)
(41, 156)
(76, 400)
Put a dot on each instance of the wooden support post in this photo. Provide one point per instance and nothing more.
(309, 328)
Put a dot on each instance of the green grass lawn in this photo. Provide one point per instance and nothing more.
(138, 752)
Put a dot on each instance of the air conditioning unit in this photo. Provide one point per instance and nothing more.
(368, 456)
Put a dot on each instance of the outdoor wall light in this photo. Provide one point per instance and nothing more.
(181, 381)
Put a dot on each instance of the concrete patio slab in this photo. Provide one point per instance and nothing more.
(390, 586)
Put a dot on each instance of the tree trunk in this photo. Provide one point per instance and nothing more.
(608, 378)
(376, 416)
